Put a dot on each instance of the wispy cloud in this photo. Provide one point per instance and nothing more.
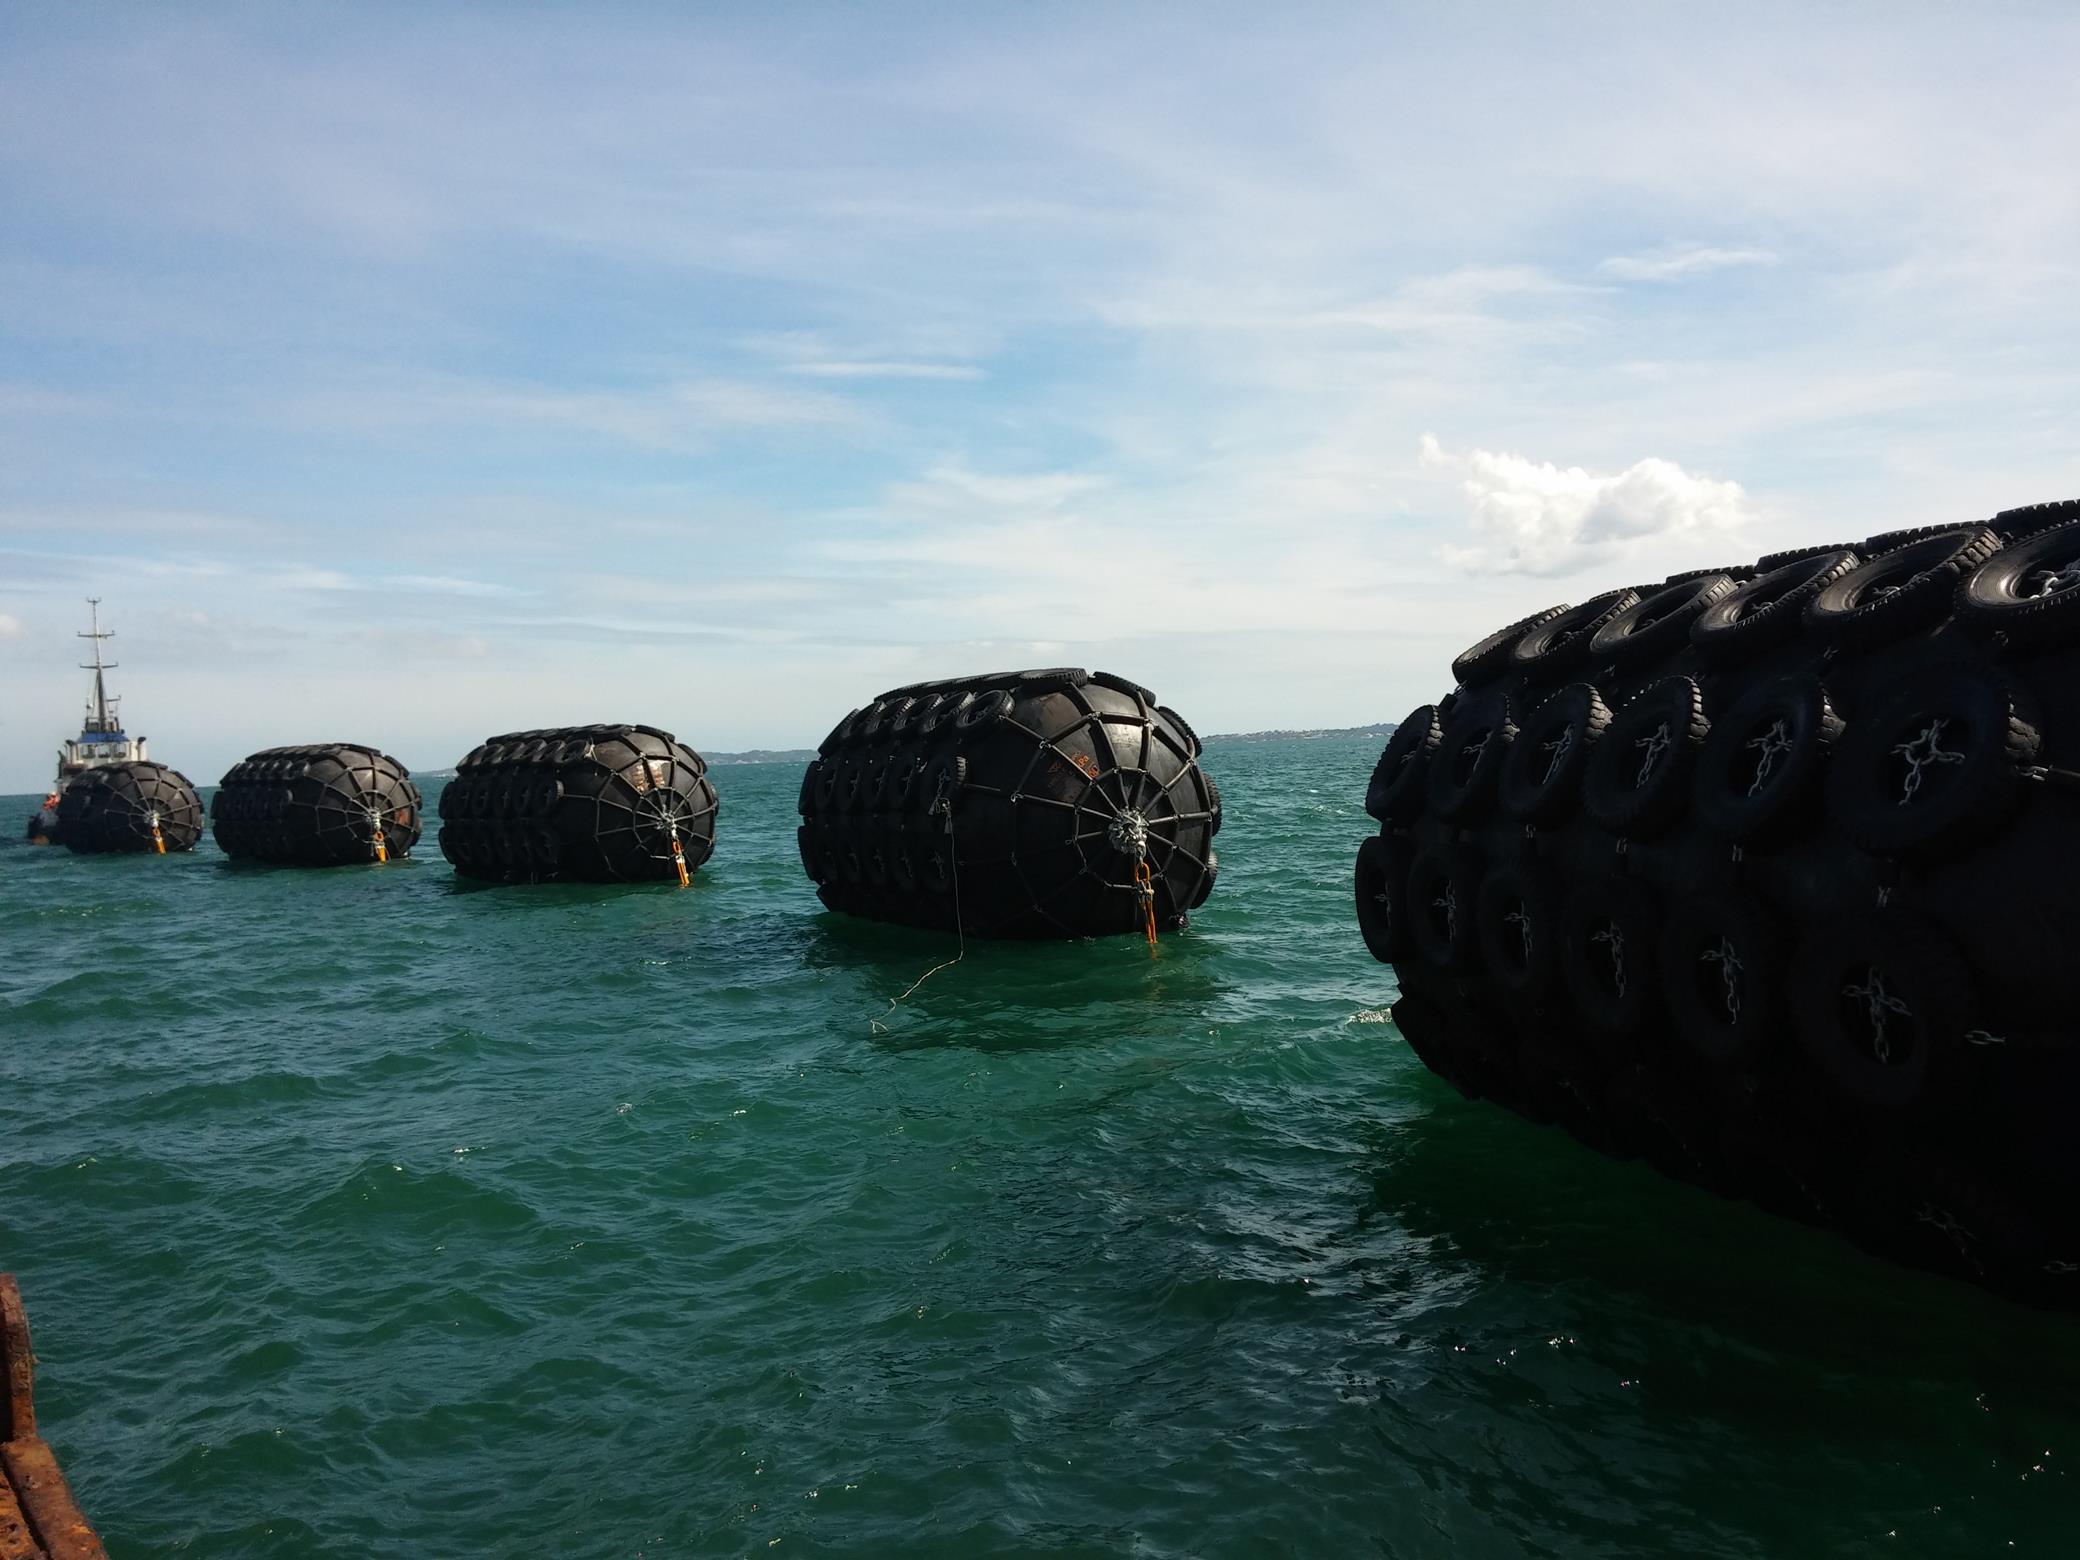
(681, 415)
(1680, 262)
(831, 370)
(445, 585)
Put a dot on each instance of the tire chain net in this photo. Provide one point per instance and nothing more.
(1950, 1179)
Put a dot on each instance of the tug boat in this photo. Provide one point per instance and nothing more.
(101, 740)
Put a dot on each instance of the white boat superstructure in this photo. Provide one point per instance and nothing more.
(101, 740)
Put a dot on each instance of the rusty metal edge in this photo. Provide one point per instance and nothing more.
(16, 1541)
(20, 1362)
(53, 1516)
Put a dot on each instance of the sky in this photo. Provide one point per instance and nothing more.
(408, 374)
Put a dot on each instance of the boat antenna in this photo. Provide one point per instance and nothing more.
(100, 717)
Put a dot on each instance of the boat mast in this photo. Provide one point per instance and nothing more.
(99, 716)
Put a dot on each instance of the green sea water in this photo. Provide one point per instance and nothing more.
(365, 1213)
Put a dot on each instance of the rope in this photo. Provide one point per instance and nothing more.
(679, 859)
(158, 839)
(941, 803)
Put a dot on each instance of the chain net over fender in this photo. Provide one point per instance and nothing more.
(593, 804)
(1042, 804)
(1804, 939)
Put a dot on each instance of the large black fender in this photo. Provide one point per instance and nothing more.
(1767, 874)
(1040, 804)
(322, 805)
(129, 809)
(595, 804)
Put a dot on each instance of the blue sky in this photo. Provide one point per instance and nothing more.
(408, 374)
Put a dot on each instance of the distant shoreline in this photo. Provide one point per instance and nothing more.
(802, 755)
(1384, 729)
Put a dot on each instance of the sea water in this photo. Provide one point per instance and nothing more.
(371, 1212)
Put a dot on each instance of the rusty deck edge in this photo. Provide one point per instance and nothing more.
(33, 1489)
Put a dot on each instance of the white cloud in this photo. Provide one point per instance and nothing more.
(1532, 517)
(10, 626)
(1682, 260)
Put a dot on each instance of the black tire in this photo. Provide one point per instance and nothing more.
(1395, 792)
(1467, 766)
(1552, 649)
(1722, 976)
(1739, 573)
(1608, 930)
(2029, 590)
(1541, 776)
(1768, 610)
(1489, 658)
(1759, 771)
(1125, 685)
(1905, 591)
(1381, 888)
(1517, 923)
(1883, 1007)
(1443, 890)
(1184, 727)
(1933, 766)
(1891, 541)
(1658, 624)
(986, 710)
(1638, 781)
(1770, 562)
(2013, 525)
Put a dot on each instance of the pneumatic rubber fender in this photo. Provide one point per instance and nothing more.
(136, 808)
(321, 805)
(1767, 875)
(1052, 803)
(595, 804)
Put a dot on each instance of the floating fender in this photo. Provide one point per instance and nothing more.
(592, 804)
(320, 806)
(1767, 875)
(139, 808)
(1022, 804)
